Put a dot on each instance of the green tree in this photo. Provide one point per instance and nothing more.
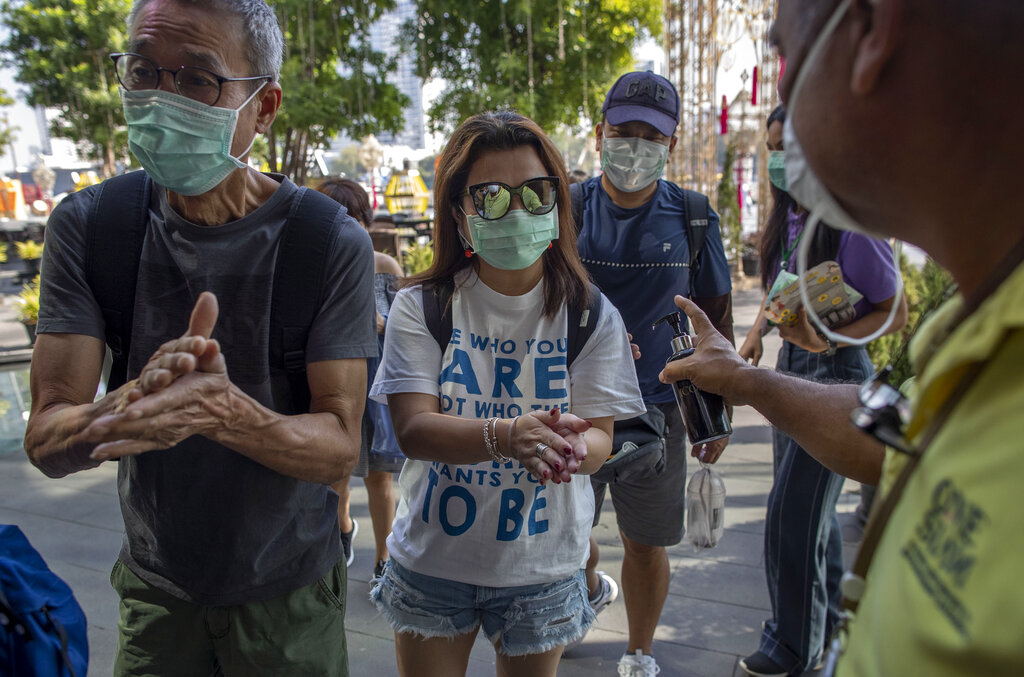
(8, 132)
(58, 49)
(549, 60)
(728, 204)
(333, 80)
(347, 163)
(426, 167)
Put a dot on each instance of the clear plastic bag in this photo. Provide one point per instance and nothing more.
(705, 508)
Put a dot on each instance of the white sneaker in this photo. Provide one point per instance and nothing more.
(638, 665)
(607, 592)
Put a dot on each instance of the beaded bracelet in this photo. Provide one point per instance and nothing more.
(491, 441)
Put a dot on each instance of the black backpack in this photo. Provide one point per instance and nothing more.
(580, 323)
(115, 231)
(696, 217)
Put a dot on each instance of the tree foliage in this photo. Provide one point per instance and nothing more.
(728, 204)
(551, 60)
(925, 288)
(58, 49)
(332, 79)
(7, 132)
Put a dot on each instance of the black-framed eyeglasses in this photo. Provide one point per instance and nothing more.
(884, 413)
(135, 72)
(493, 199)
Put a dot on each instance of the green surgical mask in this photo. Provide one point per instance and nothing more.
(516, 240)
(777, 170)
(184, 145)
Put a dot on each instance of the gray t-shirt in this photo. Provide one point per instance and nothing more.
(203, 522)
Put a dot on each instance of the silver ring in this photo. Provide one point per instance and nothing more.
(540, 449)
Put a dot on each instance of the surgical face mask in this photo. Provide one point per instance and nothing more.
(808, 190)
(184, 145)
(516, 240)
(777, 169)
(632, 164)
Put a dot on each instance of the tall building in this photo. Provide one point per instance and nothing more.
(385, 36)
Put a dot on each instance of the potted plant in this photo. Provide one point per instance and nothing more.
(418, 257)
(750, 258)
(28, 308)
(30, 252)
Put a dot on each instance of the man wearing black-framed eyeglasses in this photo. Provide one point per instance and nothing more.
(228, 295)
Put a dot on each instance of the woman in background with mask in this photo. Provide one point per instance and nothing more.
(501, 425)
(379, 455)
(803, 543)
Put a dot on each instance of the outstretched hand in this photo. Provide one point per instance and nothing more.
(714, 366)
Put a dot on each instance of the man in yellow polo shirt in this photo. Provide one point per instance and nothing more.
(902, 125)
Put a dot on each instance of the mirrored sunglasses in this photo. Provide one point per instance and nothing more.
(492, 200)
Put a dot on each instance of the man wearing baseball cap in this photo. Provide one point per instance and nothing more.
(635, 239)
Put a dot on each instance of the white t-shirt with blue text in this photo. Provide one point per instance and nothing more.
(487, 523)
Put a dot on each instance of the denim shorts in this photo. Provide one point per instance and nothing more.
(528, 619)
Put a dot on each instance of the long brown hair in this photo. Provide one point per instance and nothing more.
(565, 278)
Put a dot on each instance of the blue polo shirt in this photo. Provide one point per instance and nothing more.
(639, 257)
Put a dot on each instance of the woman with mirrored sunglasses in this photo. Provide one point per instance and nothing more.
(500, 427)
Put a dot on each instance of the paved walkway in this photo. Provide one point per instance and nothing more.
(712, 618)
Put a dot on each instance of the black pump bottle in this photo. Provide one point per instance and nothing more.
(703, 412)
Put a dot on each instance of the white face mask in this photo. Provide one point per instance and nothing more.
(632, 164)
(808, 190)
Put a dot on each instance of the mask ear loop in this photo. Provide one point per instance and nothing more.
(801, 269)
(462, 238)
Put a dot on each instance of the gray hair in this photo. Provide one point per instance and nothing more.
(261, 34)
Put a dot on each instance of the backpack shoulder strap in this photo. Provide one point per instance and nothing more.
(581, 324)
(437, 311)
(115, 230)
(696, 220)
(298, 292)
(576, 203)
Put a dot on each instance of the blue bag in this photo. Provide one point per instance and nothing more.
(42, 627)
(384, 442)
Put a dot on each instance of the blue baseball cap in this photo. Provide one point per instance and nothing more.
(643, 96)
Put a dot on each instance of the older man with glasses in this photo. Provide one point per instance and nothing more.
(227, 296)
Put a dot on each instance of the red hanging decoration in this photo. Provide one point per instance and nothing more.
(724, 118)
(782, 73)
(753, 94)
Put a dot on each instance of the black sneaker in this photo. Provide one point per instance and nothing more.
(346, 542)
(760, 664)
(378, 571)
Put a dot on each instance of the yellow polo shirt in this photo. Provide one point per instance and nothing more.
(945, 592)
